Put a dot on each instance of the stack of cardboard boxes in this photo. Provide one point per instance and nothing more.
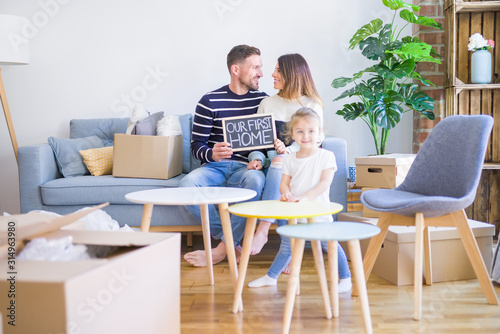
(381, 171)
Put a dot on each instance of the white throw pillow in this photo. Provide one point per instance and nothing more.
(169, 126)
(138, 113)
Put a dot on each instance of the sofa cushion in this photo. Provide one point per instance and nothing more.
(104, 128)
(147, 126)
(189, 162)
(99, 161)
(92, 190)
(67, 153)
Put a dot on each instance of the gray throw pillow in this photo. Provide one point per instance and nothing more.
(147, 126)
(67, 152)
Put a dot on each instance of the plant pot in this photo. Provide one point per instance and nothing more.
(480, 72)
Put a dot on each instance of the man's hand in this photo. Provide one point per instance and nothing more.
(279, 146)
(221, 151)
(255, 164)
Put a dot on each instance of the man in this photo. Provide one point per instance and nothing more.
(222, 167)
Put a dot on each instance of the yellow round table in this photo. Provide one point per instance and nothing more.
(280, 210)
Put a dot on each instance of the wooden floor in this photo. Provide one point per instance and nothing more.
(452, 307)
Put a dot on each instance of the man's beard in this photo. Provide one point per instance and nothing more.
(249, 84)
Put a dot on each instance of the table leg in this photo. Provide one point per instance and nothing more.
(245, 256)
(205, 227)
(359, 280)
(146, 217)
(293, 221)
(228, 236)
(297, 254)
(333, 261)
(320, 269)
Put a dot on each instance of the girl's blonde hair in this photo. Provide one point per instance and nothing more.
(297, 79)
(299, 114)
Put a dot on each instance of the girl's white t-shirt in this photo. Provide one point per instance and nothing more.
(306, 172)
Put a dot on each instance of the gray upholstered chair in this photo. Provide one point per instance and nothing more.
(440, 184)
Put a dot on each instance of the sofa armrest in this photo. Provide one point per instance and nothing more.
(37, 165)
(338, 189)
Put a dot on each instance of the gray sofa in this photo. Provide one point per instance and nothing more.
(42, 187)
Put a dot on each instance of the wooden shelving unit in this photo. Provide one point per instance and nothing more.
(462, 19)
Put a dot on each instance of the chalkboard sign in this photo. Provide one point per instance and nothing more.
(249, 132)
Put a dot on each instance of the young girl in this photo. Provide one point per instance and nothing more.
(296, 89)
(307, 176)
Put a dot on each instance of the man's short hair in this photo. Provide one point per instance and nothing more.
(239, 53)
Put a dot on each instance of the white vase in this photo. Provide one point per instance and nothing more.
(480, 71)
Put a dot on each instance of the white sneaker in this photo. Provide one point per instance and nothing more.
(263, 281)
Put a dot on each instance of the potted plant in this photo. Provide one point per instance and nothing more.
(390, 90)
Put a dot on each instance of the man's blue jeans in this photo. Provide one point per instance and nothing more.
(224, 174)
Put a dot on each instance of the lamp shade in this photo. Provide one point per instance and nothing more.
(14, 49)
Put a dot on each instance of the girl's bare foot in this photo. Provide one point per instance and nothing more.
(286, 270)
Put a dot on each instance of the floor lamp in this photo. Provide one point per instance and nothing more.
(13, 51)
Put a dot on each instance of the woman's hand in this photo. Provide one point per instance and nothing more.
(279, 146)
(221, 151)
(255, 164)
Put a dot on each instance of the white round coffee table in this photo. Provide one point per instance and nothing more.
(202, 196)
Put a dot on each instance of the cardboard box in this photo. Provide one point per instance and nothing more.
(382, 171)
(369, 213)
(151, 157)
(136, 289)
(395, 262)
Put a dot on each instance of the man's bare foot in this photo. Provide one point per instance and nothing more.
(237, 252)
(260, 237)
(286, 270)
(199, 259)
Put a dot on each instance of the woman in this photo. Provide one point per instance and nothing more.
(296, 90)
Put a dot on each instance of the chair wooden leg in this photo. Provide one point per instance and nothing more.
(333, 264)
(374, 247)
(427, 254)
(359, 280)
(189, 239)
(419, 242)
(472, 249)
(297, 254)
(320, 269)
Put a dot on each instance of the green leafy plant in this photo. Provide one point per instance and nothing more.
(390, 90)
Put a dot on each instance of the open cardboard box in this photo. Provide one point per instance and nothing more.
(136, 289)
(152, 157)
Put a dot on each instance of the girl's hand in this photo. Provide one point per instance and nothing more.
(255, 164)
(279, 146)
(286, 197)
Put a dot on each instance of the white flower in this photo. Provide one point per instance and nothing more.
(477, 42)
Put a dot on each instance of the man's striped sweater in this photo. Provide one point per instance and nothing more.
(207, 122)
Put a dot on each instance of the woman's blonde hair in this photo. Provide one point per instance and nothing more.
(297, 79)
(299, 114)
